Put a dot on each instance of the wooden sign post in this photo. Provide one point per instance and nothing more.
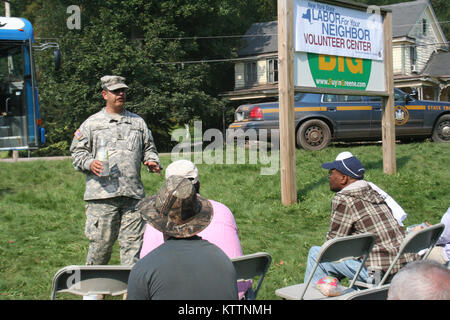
(286, 101)
(388, 119)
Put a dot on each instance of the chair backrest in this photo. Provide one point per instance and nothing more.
(349, 247)
(415, 241)
(375, 293)
(93, 279)
(342, 248)
(251, 266)
(425, 238)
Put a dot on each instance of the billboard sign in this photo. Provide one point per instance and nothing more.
(337, 47)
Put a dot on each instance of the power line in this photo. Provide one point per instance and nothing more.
(260, 35)
(215, 37)
(236, 36)
(420, 23)
(193, 38)
(253, 58)
(420, 45)
(203, 61)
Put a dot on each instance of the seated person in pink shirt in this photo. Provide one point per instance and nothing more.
(222, 231)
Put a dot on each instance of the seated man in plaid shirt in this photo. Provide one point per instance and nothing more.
(358, 208)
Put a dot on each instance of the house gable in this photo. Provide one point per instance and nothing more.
(259, 56)
(405, 16)
(416, 35)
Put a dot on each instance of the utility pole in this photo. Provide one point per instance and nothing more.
(7, 9)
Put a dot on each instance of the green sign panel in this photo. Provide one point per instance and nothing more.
(339, 72)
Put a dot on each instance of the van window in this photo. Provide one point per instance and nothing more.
(330, 98)
(373, 99)
(399, 96)
(307, 97)
(353, 98)
(338, 98)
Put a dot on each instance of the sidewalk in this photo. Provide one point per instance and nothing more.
(34, 159)
(52, 158)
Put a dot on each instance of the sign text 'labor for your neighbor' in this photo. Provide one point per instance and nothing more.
(326, 29)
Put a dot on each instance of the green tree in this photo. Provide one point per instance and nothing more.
(442, 10)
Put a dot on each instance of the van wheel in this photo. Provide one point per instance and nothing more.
(441, 131)
(313, 135)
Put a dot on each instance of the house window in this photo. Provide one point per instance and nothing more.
(424, 26)
(250, 73)
(272, 70)
(413, 54)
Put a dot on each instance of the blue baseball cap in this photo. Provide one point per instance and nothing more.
(346, 163)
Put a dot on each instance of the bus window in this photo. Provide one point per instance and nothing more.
(12, 109)
(11, 79)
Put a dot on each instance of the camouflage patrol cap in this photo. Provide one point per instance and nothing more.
(177, 210)
(112, 83)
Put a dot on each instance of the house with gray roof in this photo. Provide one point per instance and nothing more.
(420, 50)
(421, 60)
(256, 73)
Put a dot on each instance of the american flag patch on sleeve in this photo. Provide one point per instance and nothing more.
(78, 134)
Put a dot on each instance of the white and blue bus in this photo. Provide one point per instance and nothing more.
(20, 123)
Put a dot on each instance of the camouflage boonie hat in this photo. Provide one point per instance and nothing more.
(177, 210)
(112, 83)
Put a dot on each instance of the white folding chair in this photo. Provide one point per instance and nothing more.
(90, 280)
(337, 249)
(377, 293)
(250, 266)
(415, 241)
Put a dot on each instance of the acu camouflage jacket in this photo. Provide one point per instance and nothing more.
(129, 143)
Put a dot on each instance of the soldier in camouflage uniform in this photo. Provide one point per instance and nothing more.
(111, 200)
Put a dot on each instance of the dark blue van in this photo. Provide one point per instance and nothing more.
(322, 118)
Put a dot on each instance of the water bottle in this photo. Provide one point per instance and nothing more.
(102, 155)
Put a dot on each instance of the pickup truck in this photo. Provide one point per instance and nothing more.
(322, 118)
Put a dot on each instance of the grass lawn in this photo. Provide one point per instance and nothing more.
(42, 211)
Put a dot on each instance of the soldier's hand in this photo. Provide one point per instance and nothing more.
(96, 167)
(153, 167)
